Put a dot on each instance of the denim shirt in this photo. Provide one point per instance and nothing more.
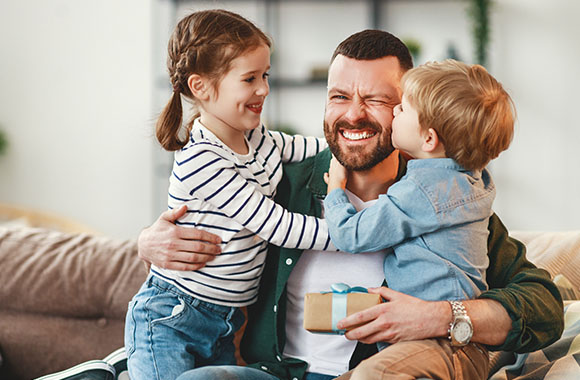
(435, 219)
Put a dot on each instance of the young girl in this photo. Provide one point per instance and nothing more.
(226, 171)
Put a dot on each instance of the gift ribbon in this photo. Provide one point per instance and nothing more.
(339, 301)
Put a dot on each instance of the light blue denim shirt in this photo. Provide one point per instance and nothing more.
(435, 218)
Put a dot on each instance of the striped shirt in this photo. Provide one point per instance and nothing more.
(231, 195)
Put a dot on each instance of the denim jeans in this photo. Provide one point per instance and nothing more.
(239, 373)
(168, 332)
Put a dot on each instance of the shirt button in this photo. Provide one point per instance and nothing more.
(275, 308)
(264, 368)
(294, 378)
(288, 261)
(278, 358)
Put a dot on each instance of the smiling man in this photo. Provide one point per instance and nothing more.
(521, 312)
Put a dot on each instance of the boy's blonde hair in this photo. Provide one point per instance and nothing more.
(468, 108)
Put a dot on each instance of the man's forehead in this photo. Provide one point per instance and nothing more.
(381, 75)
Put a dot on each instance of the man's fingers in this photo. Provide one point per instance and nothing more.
(201, 235)
(359, 318)
(183, 260)
(174, 214)
(386, 293)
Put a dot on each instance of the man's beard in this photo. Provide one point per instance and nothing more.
(359, 158)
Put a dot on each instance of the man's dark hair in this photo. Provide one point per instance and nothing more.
(374, 44)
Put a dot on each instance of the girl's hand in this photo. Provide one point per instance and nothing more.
(336, 176)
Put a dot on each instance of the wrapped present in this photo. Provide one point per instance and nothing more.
(322, 311)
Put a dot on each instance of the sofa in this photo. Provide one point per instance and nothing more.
(64, 295)
(63, 298)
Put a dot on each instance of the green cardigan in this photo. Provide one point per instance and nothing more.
(526, 292)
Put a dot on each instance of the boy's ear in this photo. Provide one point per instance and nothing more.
(198, 87)
(431, 142)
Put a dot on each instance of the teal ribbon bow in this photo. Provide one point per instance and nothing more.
(339, 301)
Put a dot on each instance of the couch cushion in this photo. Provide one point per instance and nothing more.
(70, 275)
(558, 252)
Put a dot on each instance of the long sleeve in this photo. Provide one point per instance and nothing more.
(297, 148)
(208, 176)
(404, 212)
(531, 299)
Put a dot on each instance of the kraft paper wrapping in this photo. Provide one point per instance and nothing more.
(318, 312)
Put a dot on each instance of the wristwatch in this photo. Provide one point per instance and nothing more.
(460, 329)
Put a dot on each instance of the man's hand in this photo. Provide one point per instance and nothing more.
(336, 176)
(401, 318)
(179, 248)
(405, 317)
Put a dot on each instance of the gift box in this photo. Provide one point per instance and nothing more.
(323, 310)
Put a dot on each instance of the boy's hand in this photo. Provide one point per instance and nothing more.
(336, 176)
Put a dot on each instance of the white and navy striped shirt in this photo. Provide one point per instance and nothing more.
(231, 195)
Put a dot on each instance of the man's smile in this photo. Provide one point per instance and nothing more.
(355, 135)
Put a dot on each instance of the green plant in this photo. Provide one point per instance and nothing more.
(414, 47)
(479, 13)
(3, 142)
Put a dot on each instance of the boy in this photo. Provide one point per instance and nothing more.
(453, 119)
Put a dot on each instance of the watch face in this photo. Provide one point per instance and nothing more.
(462, 331)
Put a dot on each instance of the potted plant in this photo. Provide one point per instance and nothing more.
(3, 143)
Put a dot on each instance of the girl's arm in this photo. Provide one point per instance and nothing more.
(210, 177)
(297, 148)
(404, 212)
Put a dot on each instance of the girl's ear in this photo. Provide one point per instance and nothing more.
(198, 87)
(431, 142)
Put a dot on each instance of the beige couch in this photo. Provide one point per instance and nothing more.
(63, 296)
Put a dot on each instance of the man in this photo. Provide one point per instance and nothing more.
(522, 311)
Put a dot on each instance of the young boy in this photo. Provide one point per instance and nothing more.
(454, 118)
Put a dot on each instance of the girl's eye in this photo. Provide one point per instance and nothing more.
(250, 79)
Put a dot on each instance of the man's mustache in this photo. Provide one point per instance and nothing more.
(364, 124)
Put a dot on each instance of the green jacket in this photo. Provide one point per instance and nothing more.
(526, 292)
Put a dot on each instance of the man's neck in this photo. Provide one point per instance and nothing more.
(369, 184)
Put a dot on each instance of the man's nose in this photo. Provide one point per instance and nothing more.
(355, 112)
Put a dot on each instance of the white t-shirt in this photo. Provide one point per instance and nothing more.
(315, 272)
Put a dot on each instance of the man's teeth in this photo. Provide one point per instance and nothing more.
(351, 135)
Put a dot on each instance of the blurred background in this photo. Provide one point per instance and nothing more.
(82, 83)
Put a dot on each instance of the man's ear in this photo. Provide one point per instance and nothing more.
(198, 87)
(431, 143)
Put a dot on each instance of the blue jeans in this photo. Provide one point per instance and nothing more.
(239, 373)
(168, 332)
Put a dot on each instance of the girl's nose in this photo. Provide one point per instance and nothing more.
(264, 88)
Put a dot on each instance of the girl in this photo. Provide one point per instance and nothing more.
(226, 171)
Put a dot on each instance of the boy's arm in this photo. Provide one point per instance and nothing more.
(404, 212)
